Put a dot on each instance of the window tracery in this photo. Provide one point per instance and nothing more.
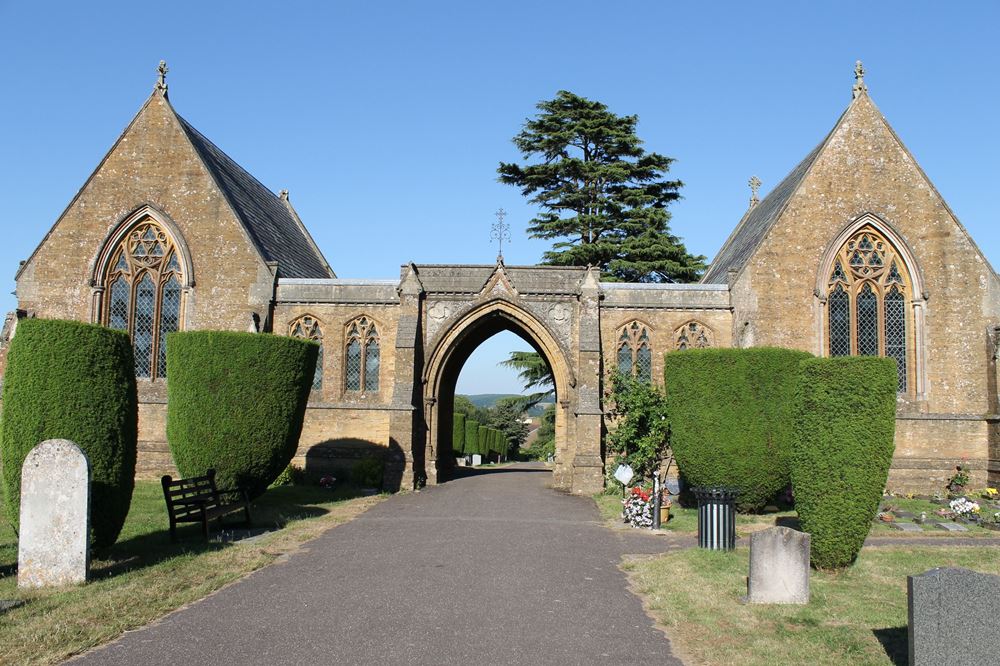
(692, 335)
(144, 294)
(363, 357)
(866, 300)
(308, 327)
(634, 351)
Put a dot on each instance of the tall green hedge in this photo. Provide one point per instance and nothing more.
(471, 437)
(484, 441)
(458, 434)
(732, 418)
(235, 403)
(68, 380)
(846, 424)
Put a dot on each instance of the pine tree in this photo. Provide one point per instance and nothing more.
(603, 197)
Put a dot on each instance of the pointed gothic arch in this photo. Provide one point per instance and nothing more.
(309, 327)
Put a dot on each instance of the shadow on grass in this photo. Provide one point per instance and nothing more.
(150, 544)
(791, 522)
(896, 643)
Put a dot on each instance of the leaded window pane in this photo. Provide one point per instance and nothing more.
(867, 322)
(625, 360)
(353, 369)
(121, 266)
(840, 322)
(145, 312)
(894, 275)
(895, 333)
(643, 364)
(170, 319)
(838, 274)
(118, 307)
(318, 374)
(371, 365)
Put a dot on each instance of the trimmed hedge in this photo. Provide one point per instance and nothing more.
(458, 434)
(732, 418)
(846, 424)
(235, 403)
(68, 380)
(471, 437)
(484, 441)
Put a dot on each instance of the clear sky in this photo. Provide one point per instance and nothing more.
(386, 121)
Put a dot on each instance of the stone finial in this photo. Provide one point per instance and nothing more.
(754, 184)
(283, 194)
(859, 80)
(161, 79)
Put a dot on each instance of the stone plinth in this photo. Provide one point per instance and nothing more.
(953, 617)
(53, 543)
(779, 567)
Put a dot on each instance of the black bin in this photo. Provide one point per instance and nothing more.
(716, 518)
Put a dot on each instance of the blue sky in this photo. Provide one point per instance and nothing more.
(386, 121)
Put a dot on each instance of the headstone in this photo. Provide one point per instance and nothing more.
(53, 544)
(952, 527)
(953, 617)
(779, 567)
(476, 459)
(906, 527)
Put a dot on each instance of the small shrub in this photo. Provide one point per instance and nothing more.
(641, 433)
(235, 403)
(367, 472)
(68, 380)
(471, 445)
(732, 418)
(292, 476)
(458, 434)
(846, 423)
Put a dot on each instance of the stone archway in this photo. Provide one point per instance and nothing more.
(446, 360)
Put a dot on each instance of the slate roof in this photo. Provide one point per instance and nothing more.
(274, 228)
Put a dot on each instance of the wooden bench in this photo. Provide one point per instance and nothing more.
(197, 500)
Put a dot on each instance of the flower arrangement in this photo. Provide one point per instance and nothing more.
(990, 493)
(959, 480)
(964, 507)
(637, 508)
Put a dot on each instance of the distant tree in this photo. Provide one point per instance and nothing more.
(508, 418)
(534, 372)
(603, 197)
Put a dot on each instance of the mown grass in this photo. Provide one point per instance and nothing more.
(144, 576)
(857, 616)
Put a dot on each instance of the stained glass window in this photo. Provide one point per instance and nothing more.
(635, 355)
(866, 303)
(143, 290)
(308, 328)
(363, 356)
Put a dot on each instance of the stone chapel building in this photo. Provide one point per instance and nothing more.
(854, 252)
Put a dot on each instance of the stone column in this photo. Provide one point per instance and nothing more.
(404, 467)
(588, 464)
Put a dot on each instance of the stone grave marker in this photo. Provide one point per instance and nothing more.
(906, 527)
(953, 617)
(54, 540)
(779, 567)
(952, 527)
(476, 459)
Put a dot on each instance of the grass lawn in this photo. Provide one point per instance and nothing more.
(857, 616)
(144, 575)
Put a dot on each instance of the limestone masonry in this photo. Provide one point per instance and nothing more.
(854, 252)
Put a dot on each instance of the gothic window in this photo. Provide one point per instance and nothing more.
(363, 357)
(143, 294)
(692, 335)
(866, 300)
(635, 354)
(307, 327)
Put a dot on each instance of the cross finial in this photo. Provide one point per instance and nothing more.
(754, 189)
(161, 80)
(859, 80)
(500, 232)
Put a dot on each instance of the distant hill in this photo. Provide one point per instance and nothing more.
(487, 400)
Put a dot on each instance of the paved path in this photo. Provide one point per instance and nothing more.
(494, 568)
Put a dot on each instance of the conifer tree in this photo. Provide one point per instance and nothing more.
(603, 197)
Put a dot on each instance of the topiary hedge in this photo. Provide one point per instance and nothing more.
(458, 434)
(235, 403)
(471, 437)
(68, 380)
(846, 423)
(484, 441)
(732, 418)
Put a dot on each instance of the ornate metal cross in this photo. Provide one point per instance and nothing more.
(500, 232)
(754, 189)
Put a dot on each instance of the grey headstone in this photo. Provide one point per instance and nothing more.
(952, 527)
(779, 567)
(906, 527)
(54, 540)
(908, 515)
(953, 617)
(476, 459)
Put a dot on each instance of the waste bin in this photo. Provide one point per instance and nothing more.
(716, 518)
